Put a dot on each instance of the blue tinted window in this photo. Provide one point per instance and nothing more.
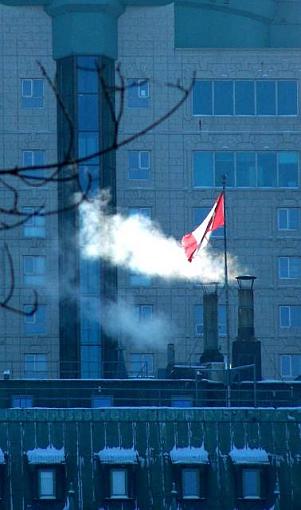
(182, 401)
(88, 143)
(288, 218)
(244, 98)
(245, 169)
(102, 401)
(202, 98)
(34, 158)
(138, 93)
(89, 176)
(224, 165)
(89, 276)
(198, 320)
(90, 361)
(267, 169)
(284, 315)
(288, 169)
(266, 97)
(87, 112)
(223, 98)
(203, 169)
(295, 316)
(22, 401)
(87, 75)
(138, 164)
(32, 93)
(35, 324)
(287, 97)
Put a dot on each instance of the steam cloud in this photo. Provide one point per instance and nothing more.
(137, 244)
(120, 320)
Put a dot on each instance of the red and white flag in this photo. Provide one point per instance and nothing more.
(199, 238)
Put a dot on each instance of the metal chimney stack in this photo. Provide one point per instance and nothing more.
(210, 320)
(246, 349)
(246, 308)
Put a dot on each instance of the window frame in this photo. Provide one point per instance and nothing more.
(289, 308)
(32, 95)
(290, 376)
(22, 399)
(52, 496)
(38, 272)
(258, 471)
(196, 470)
(33, 320)
(123, 470)
(220, 324)
(147, 369)
(140, 83)
(32, 372)
(289, 276)
(214, 184)
(288, 220)
(132, 176)
(255, 81)
(30, 225)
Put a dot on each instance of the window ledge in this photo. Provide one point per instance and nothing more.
(119, 498)
(193, 498)
(251, 498)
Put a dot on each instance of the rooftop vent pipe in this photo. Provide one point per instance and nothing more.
(210, 320)
(246, 349)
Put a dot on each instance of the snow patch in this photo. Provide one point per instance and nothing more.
(49, 455)
(118, 455)
(249, 456)
(189, 455)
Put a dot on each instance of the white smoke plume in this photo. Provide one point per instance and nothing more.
(121, 320)
(137, 244)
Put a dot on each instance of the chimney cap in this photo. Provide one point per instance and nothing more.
(210, 287)
(245, 281)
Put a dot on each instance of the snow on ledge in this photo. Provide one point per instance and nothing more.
(118, 455)
(189, 455)
(49, 455)
(249, 456)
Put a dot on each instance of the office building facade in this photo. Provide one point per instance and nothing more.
(242, 119)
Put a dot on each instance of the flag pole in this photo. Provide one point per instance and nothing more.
(228, 346)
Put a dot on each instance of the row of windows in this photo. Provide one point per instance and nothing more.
(139, 365)
(32, 93)
(190, 485)
(245, 97)
(219, 97)
(289, 317)
(288, 219)
(266, 169)
(246, 169)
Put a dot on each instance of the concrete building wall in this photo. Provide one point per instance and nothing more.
(146, 50)
(26, 39)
